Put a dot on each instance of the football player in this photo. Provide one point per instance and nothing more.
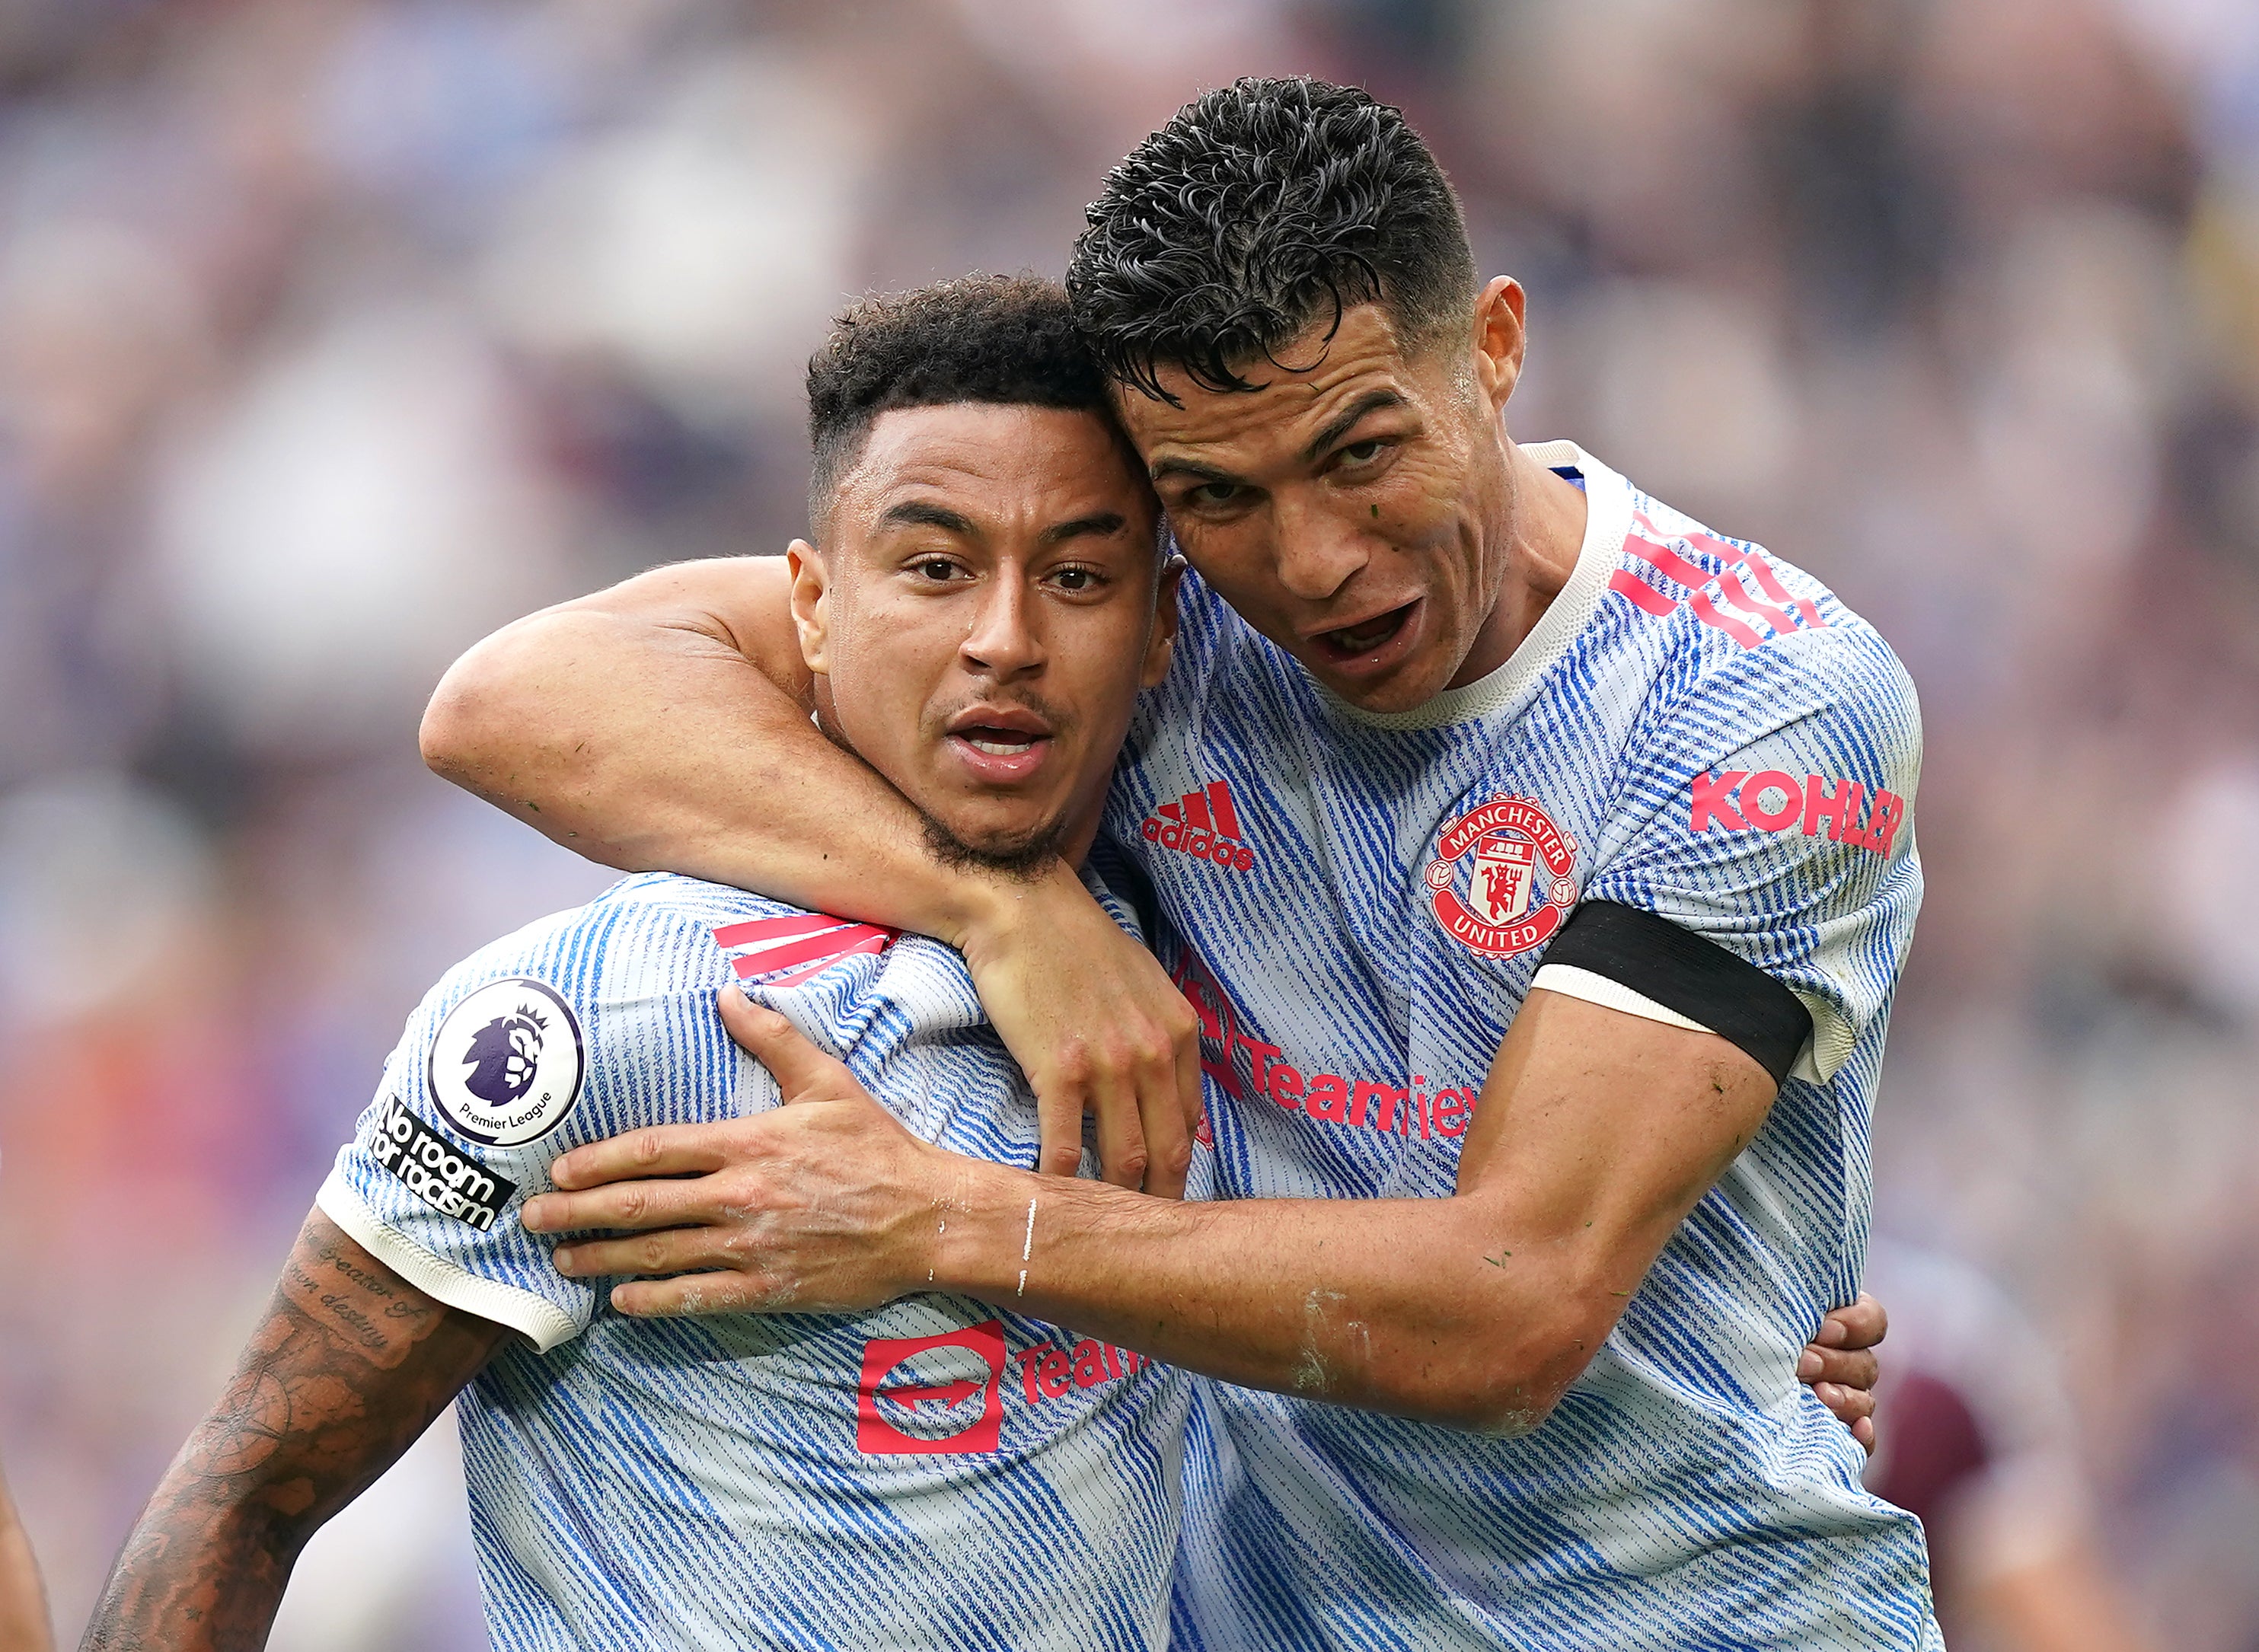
(1538, 866)
(933, 1472)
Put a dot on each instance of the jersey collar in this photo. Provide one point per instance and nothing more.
(1607, 520)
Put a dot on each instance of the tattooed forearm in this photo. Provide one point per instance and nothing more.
(345, 1290)
(349, 1366)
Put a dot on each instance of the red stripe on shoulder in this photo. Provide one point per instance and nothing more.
(1642, 593)
(782, 927)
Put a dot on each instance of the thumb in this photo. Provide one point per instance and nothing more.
(801, 1070)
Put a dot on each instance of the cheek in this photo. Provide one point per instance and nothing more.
(1429, 490)
(884, 668)
(1238, 562)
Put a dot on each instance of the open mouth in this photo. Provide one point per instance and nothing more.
(1367, 636)
(999, 746)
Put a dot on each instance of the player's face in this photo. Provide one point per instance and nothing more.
(1357, 512)
(983, 617)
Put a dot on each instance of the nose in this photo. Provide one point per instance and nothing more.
(1002, 642)
(1317, 553)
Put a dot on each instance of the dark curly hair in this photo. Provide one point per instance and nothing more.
(1008, 340)
(1257, 209)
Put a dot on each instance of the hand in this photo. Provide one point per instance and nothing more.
(823, 1204)
(1098, 1026)
(1841, 1368)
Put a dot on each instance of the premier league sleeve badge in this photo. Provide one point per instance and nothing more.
(507, 1066)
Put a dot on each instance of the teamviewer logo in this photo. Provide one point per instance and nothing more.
(943, 1372)
(1204, 825)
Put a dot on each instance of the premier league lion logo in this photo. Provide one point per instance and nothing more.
(506, 1066)
(503, 1057)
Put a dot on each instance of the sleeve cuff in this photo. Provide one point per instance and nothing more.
(541, 1321)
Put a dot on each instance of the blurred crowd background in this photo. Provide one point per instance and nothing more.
(334, 334)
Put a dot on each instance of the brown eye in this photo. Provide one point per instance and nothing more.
(936, 568)
(1362, 453)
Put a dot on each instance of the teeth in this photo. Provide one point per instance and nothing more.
(998, 748)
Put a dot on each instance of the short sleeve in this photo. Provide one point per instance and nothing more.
(575, 1030)
(1769, 812)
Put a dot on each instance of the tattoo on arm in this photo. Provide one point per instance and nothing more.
(351, 1364)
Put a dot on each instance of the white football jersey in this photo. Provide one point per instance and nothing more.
(1696, 738)
(936, 1473)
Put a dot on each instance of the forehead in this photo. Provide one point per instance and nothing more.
(993, 463)
(1321, 379)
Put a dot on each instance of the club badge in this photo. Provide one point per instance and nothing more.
(507, 1066)
(1501, 877)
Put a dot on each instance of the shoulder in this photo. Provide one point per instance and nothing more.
(618, 991)
(1742, 642)
(648, 934)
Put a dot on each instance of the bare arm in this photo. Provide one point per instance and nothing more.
(664, 724)
(1597, 1133)
(22, 1602)
(349, 1367)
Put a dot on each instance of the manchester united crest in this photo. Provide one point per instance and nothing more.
(1501, 877)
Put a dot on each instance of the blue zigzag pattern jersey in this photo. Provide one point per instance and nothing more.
(933, 1474)
(1358, 905)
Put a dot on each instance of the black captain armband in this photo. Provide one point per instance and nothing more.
(1693, 978)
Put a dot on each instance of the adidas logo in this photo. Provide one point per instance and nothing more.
(1204, 825)
(792, 947)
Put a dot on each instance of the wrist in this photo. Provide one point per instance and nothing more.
(977, 1242)
(984, 911)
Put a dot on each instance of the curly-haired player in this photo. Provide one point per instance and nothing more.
(1538, 863)
(933, 1472)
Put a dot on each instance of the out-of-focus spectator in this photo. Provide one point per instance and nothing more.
(332, 334)
(1977, 1437)
(23, 1626)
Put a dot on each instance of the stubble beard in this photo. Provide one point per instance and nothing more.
(1020, 857)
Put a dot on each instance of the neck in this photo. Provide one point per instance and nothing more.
(1544, 532)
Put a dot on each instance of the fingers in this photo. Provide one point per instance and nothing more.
(1121, 1154)
(1864, 1432)
(1851, 1405)
(664, 1150)
(669, 1250)
(696, 1293)
(1058, 1120)
(1863, 1324)
(1852, 1368)
(633, 1205)
(1189, 1095)
(1167, 1131)
(801, 1070)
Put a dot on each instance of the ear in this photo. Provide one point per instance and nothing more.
(1162, 647)
(811, 604)
(1500, 340)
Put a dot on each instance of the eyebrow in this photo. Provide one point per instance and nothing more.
(1097, 525)
(917, 513)
(1190, 468)
(1370, 402)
